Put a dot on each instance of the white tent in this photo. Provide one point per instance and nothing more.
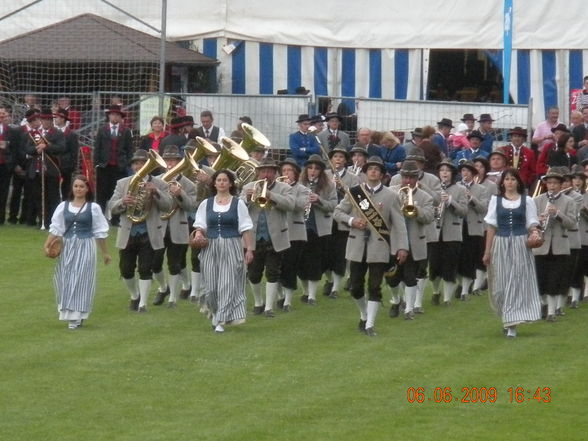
(374, 48)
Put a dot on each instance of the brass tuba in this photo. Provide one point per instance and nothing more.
(235, 158)
(252, 138)
(186, 165)
(139, 211)
(408, 208)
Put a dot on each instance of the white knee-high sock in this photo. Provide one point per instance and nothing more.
(466, 282)
(551, 304)
(436, 285)
(288, 293)
(144, 287)
(257, 294)
(560, 302)
(418, 301)
(480, 277)
(575, 294)
(196, 283)
(160, 278)
(410, 293)
(337, 282)
(448, 290)
(304, 286)
(131, 285)
(271, 291)
(174, 287)
(395, 298)
(185, 276)
(280, 294)
(362, 306)
(585, 286)
(312, 288)
(372, 312)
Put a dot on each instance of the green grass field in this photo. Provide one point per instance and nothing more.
(308, 375)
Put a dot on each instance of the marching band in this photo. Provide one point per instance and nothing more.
(322, 213)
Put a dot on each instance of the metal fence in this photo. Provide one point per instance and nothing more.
(273, 115)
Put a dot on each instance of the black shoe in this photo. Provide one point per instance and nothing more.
(409, 316)
(361, 326)
(574, 304)
(160, 297)
(280, 303)
(457, 292)
(394, 310)
(551, 318)
(185, 293)
(311, 302)
(418, 310)
(304, 298)
(12, 221)
(333, 295)
(436, 299)
(370, 332)
(463, 297)
(269, 313)
(258, 310)
(286, 308)
(560, 311)
(328, 286)
(142, 309)
(543, 311)
(134, 304)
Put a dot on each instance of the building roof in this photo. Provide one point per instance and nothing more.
(90, 38)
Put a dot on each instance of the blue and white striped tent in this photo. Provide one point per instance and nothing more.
(263, 68)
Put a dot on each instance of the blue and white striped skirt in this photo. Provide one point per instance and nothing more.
(513, 288)
(223, 278)
(75, 278)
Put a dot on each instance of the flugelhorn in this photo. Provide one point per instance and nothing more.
(408, 208)
(259, 195)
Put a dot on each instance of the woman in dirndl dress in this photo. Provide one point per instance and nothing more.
(81, 224)
(512, 216)
(224, 220)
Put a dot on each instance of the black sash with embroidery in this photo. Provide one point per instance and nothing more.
(370, 212)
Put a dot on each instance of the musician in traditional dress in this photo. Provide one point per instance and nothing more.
(511, 218)
(574, 272)
(296, 232)
(482, 166)
(44, 145)
(519, 156)
(359, 156)
(318, 218)
(557, 214)
(498, 161)
(417, 216)
(430, 184)
(303, 143)
(378, 234)
(138, 238)
(473, 227)
(268, 202)
(579, 181)
(336, 264)
(449, 219)
(183, 192)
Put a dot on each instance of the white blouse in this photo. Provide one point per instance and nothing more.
(99, 222)
(245, 222)
(532, 220)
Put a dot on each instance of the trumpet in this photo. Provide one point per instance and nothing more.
(408, 207)
(259, 195)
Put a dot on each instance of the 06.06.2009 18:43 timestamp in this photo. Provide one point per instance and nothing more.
(482, 395)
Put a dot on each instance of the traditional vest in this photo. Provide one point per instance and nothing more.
(511, 222)
(219, 224)
(82, 225)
